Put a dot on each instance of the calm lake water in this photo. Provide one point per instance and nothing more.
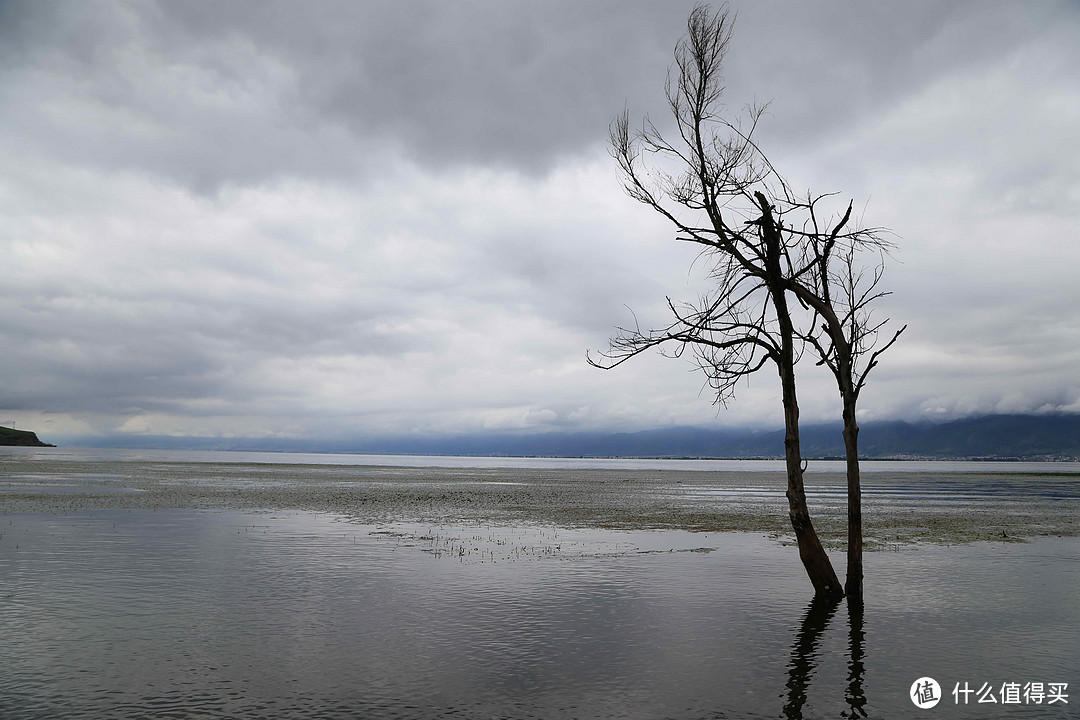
(456, 461)
(229, 614)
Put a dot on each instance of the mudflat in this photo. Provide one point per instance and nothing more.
(899, 508)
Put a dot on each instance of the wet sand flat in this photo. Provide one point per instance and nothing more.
(899, 507)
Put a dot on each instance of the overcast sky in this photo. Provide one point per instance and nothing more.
(346, 218)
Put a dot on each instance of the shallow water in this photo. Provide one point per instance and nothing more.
(99, 455)
(954, 503)
(226, 614)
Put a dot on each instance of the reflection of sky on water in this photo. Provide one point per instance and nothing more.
(901, 494)
(455, 461)
(61, 484)
(124, 613)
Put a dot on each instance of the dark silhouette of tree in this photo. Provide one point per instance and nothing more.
(766, 245)
(840, 289)
(720, 200)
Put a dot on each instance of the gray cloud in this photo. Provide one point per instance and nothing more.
(287, 218)
(248, 91)
(244, 91)
(507, 83)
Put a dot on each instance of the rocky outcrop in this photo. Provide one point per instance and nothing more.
(10, 436)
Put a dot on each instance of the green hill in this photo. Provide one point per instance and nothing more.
(10, 436)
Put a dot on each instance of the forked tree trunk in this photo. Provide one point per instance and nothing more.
(854, 586)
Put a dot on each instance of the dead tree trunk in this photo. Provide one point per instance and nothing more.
(849, 396)
(814, 558)
(854, 586)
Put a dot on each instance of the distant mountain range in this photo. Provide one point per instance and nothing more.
(1032, 437)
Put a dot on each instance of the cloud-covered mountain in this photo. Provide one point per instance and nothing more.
(1033, 437)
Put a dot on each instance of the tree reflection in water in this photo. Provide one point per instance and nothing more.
(805, 654)
(855, 697)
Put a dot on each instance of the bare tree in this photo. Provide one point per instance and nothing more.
(765, 243)
(841, 289)
(722, 199)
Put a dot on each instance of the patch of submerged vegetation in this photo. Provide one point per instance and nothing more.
(909, 508)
